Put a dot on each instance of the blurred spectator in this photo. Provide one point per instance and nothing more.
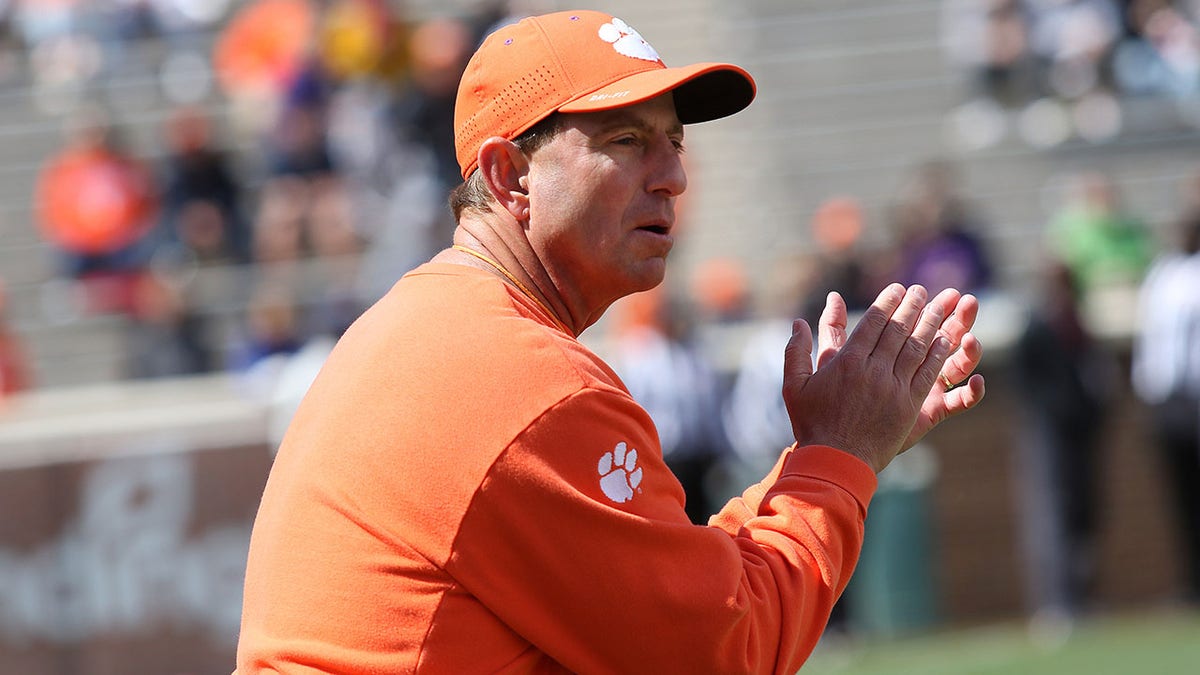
(332, 233)
(1166, 375)
(62, 57)
(273, 325)
(259, 51)
(721, 291)
(10, 49)
(166, 336)
(397, 202)
(335, 241)
(1068, 63)
(837, 263)
(15, 373)
(1160, 54)
(280, 223)
(939, 246)
(668, 373)
(1066, 378)
(439, 50)
(118, 26)
(391, 129)
(96, 203)
(298, 142)
(397, 197)
(1072, 40)
(361, 38)
(300, 217)
(184, 17)
(201, 195)
(261, 47)
(990, 40)
(1103, 244)
(38, 21)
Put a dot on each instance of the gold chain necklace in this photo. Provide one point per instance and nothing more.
(516, 282)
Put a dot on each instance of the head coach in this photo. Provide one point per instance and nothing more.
(466, 488)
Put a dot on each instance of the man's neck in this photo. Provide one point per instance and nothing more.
(483, 244)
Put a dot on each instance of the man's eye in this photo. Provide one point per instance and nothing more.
(679, 147)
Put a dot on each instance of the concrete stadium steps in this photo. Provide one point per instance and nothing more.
(17, 227)
(26, 268)
(83, 351)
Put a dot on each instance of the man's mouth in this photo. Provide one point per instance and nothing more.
(657, 224)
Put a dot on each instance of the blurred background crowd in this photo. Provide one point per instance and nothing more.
(211, 186)
(1068, 65)
(327, 158)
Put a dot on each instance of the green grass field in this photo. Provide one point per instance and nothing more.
(1155, 644)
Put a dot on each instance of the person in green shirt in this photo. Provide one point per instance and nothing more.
(1102, 243)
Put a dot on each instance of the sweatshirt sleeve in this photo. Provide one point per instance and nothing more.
(578, 540)
(738, 510)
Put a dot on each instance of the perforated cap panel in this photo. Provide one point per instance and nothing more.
(511, 111)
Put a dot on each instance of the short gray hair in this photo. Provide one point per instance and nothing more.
(473, 193)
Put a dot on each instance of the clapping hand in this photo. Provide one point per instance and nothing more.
(877, 391)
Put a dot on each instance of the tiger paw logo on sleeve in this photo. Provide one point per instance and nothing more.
(619, 473)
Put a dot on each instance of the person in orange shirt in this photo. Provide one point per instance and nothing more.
(467, 488)
(96, 202)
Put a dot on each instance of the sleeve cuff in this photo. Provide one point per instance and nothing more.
(835, 466)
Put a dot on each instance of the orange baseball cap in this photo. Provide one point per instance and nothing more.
(578, 61)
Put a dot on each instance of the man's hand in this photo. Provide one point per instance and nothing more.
(877, 392)
(947, 398)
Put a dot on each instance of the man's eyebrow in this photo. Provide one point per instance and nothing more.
(618, 118)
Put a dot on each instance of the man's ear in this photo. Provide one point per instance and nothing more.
(505, 170)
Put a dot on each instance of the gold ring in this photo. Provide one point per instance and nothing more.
(946, 381)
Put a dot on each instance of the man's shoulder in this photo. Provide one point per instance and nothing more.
(459, 319)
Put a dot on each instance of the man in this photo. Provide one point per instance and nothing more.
(467, 489)
(1166, 377)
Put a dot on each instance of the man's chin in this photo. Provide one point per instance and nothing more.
(653, 273)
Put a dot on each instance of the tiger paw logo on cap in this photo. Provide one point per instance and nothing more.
(627, 41)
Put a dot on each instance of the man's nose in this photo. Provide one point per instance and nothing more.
(667, 173)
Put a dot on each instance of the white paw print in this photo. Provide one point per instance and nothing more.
(627, 41)
(619, 473)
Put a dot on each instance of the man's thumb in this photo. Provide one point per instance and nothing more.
(797, 357)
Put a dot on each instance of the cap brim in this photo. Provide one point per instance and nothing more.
(703, 91)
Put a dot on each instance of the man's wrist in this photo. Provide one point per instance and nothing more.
(834, 465)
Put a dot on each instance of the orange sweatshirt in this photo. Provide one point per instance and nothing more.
(467, 489)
